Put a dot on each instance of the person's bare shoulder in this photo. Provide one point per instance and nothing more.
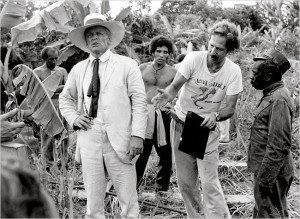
(172, 70)
(144, 65)
(38, 70)
(62, 70)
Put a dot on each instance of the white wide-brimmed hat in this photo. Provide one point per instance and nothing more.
(116, 29)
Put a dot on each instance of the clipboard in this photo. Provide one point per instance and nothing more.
(194, 137)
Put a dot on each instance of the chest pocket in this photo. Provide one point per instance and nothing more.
(263, 105)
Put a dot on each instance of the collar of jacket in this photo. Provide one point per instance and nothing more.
(269, 90)
(103, 58)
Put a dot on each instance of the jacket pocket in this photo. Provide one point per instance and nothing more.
(263, 105)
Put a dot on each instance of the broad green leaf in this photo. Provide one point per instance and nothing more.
(141, 38)
(105, 7)
(40, 101)
(58, 43)
(51, 83)
(167, 24)
(13, 13)
(66, 53)
(54, 17)
(93, 7)
(131, 53)
(78, 8)
(27, 31)
(52, 24)
(84, 3)
(123, 14)
(58, 12)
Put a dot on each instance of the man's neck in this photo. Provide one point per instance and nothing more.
(97, 55)
(45, 67)
(214, 66)
(158, 66)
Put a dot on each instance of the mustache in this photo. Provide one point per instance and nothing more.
(214, 56)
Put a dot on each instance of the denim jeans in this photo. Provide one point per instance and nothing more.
(98, 161)
(189, 169)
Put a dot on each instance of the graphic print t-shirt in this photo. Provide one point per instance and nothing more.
(204, 91)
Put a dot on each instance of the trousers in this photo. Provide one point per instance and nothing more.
(165, 157)
(99, 161)
(189, 169)
(272, 204)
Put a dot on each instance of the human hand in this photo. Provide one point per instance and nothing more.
(136, 146)
(174, 116)
(83, 122)
(161, 99)
(9, 130)
(167, 109)
(209, 121)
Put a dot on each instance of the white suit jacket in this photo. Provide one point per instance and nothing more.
(123, 97)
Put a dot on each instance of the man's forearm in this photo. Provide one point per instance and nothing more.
(225, 113)
(229, 109)
(172, 92)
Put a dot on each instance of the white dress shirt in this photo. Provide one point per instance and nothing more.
(103, 60)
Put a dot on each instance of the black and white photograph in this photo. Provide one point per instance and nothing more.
(150, 109)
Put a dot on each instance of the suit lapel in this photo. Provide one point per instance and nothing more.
(109, 69)
(82, 75)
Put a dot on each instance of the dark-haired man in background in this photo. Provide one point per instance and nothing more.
(269, 155)
(59, 75)
(157, 74)
(50, 55)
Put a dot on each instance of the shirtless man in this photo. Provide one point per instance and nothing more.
(157, 74)
(50, 69)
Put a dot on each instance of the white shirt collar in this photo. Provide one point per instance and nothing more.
(103, 58)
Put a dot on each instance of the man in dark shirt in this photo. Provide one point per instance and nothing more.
(269, 155)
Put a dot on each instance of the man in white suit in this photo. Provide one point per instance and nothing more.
(104, 99)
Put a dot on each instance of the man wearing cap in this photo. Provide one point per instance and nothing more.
(269, 155)
(104, 99)
(205, 78)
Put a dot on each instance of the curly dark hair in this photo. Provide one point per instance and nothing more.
(160, 41)
(268, 66)
(229, 30)
(22, 195)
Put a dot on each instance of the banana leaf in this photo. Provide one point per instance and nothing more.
(13, 13)
(123, 14)
(105, 7)
(38, 99)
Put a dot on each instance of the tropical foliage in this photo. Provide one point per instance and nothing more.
(24, 32)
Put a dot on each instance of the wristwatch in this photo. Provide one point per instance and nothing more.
(217, 116)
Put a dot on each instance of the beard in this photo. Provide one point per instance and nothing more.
(51, 66)
(257, 85)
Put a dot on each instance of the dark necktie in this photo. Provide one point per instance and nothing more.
(94, 90)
